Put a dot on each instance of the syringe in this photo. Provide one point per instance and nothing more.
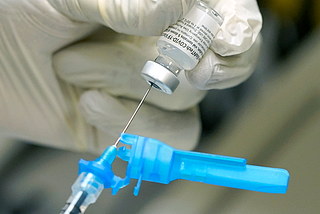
(87, 188)
(152, 160)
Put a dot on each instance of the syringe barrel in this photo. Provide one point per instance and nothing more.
(89, 183)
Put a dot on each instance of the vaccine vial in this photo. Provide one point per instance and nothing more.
(181, 46)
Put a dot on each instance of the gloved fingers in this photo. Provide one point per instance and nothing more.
(242, 22)
(113, 63)
(110, 115)
(216, 72)
(105, 59)
(140, 17)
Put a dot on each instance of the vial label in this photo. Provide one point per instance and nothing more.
(192, 34)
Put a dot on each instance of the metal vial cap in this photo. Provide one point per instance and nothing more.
(162, 78)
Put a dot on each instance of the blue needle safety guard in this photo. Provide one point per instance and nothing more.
(152, 160)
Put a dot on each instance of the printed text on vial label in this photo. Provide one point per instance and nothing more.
(192, 38)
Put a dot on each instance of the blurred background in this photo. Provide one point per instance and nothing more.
(273, 119)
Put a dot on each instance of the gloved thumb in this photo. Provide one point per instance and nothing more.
(140, 17)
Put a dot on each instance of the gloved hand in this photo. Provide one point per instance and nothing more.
(39, 105)
(230, 60)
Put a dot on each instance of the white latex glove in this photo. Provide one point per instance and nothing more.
(118, 58)
(39, 106)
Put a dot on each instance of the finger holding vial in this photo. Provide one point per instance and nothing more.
(234, 52)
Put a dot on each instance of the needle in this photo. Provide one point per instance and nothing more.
(134, 113)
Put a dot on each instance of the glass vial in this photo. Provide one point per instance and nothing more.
(181, 46)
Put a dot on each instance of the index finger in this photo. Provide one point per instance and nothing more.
(140, 17)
